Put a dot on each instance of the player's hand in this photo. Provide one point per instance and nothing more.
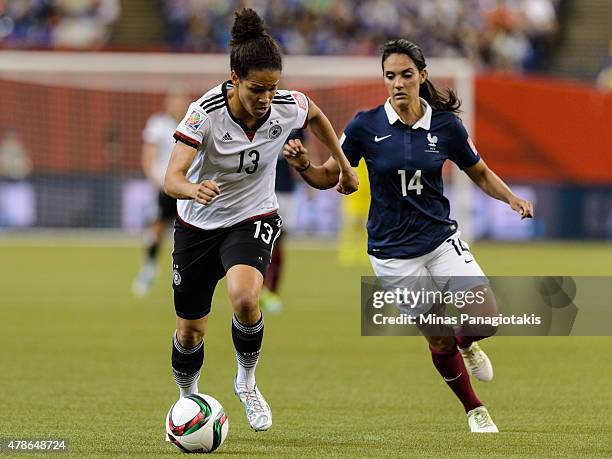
(522, 207)
(348, 182)
(206, 192)
(296, 154)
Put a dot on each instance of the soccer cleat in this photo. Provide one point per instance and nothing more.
(257, 409)
(477, 362)
(144, 281)
(480, 420)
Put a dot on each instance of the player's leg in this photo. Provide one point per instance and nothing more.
(270, 300)
(166, 211)
(454, 268)
(243, 287)
(245, 254)
(188, 353)
(449, 363)
(413, 274)
(274, 272)
(196, 270)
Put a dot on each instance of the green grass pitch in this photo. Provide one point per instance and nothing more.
(81, 359)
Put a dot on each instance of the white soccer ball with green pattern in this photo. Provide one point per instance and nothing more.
(197, 424)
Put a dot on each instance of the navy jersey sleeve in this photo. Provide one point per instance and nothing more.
(296, 134)
(350, 141)
(463, 152)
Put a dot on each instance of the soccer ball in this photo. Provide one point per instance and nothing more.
(197, 424)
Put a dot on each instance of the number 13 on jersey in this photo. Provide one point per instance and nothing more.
(413, 185)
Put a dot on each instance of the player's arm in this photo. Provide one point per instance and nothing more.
(322, 177)
(323, 130)
(148, 162)
(176, 184)
(490, 183)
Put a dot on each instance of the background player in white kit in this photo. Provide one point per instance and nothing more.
(222, 171)
(156, 150)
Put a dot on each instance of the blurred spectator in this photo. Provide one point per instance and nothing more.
(17, 196)
(506, 45)
(57, 23)
(541, 27)
(604, 77)
(15, 162)
(507, 34)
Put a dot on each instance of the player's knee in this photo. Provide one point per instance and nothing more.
(189, 337)
(245, 303)
(442, 343)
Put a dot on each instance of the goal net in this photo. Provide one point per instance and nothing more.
(71, 125)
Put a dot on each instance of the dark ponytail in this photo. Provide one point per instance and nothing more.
(438, 100)
(251, 46)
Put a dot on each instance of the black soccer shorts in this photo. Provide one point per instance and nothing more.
(166, 207)
(202, 257)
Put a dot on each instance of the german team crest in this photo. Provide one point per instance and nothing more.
(176, 277)
(275, 131)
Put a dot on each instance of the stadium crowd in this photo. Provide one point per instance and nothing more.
(506, 34)
(81, 24)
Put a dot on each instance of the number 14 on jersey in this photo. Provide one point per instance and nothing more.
(413, 185)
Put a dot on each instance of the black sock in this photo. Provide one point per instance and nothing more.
(186, 364)
(152, 251)
(247, 342)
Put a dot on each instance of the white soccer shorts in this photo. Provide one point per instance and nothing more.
(450, 267)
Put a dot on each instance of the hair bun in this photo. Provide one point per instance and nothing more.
(247, 26)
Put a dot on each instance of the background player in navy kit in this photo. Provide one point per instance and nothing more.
(405, 143)
(222, 173)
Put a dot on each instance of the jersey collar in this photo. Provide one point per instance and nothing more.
(249, 132)
(424, 122)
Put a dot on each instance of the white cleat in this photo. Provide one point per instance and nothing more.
(480, 420)
(477, 362)
(144, 281)
(257, 409)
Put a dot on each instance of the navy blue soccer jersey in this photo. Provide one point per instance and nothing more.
(409, 214)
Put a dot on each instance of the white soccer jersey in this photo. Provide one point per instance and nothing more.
(241, 161)
(158, 131)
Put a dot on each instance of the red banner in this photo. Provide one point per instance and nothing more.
(540, 129)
